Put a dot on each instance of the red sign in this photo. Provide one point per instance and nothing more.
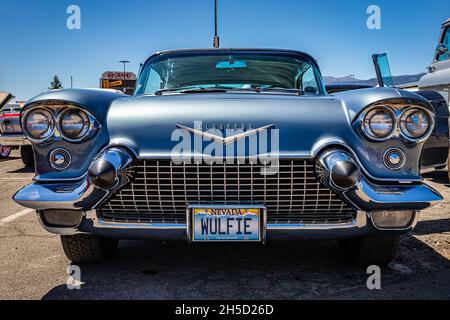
(115, 75)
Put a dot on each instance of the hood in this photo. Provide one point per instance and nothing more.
(5, 97)
(301, 120)
(307, 124)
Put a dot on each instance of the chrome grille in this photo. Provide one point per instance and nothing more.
(160, 191)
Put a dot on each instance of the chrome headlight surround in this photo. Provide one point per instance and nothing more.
(87, 123)
(55, 112)
(49, 132)
(367, 126)
(403, 125)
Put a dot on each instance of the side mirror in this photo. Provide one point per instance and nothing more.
(441, 50)
(383, 70)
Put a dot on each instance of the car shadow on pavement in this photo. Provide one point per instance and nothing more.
(440, 177)
(432, 226)
(23, 170)
(9, 159)
(278, 270)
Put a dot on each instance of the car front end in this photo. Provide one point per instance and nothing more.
(250, 158)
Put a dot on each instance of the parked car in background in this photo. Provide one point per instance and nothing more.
(438, 76)
(344, 166)
(11, 134)
(436, 149)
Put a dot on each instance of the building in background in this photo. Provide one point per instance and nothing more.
(118, 80)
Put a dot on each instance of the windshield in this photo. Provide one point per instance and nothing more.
(229, 70)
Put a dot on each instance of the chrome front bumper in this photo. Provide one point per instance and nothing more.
(91, 224)
(364, 196)
(14, 140)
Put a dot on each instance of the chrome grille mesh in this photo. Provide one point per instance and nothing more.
(160, 192)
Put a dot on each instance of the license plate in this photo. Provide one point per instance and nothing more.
(227, 223)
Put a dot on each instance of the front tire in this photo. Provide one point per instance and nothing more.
(86, 248)
(26, 153)
(370, 250)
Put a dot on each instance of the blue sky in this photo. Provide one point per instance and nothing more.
(37, 45)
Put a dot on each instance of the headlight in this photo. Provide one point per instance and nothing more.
(415, 123)
(39, 125)
(379, 123)
(74, 124)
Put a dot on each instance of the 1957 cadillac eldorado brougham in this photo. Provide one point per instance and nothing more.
(227, 145)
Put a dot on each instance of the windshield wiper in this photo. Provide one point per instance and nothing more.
(279, 89)
(192, 90)
(226, 89)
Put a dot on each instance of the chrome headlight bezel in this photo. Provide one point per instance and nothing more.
(56, 112)
(404, 130)
(366, 124)
(397, 109)
(51, 128)
(88, 119)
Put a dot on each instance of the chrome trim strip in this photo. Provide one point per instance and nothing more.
(149, 226)
(360, 221)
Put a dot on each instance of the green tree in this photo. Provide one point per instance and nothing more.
(55, 84)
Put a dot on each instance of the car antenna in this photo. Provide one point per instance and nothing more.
(216, 42)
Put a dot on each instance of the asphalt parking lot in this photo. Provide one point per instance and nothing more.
(33, 266)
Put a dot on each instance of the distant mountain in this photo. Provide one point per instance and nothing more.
(398, 80)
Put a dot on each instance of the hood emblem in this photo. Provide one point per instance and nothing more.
(228, 139)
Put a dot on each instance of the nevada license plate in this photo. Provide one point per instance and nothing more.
(227, 223)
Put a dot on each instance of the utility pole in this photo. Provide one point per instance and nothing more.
(216, 42)
(124, 72)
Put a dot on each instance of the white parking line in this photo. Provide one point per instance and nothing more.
(15, 216)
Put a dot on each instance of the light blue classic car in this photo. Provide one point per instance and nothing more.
(228, 145)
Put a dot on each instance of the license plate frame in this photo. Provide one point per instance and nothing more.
(191, 222)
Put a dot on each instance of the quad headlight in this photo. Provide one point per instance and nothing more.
(74, 124)
(379, 123)
(415, 123)
(383, 122)
(70, 123)
(39, 125)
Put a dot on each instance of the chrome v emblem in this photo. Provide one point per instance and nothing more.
(225, 140)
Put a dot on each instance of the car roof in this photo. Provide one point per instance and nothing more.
(229, 50)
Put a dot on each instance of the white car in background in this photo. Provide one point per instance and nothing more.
(438, 76)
